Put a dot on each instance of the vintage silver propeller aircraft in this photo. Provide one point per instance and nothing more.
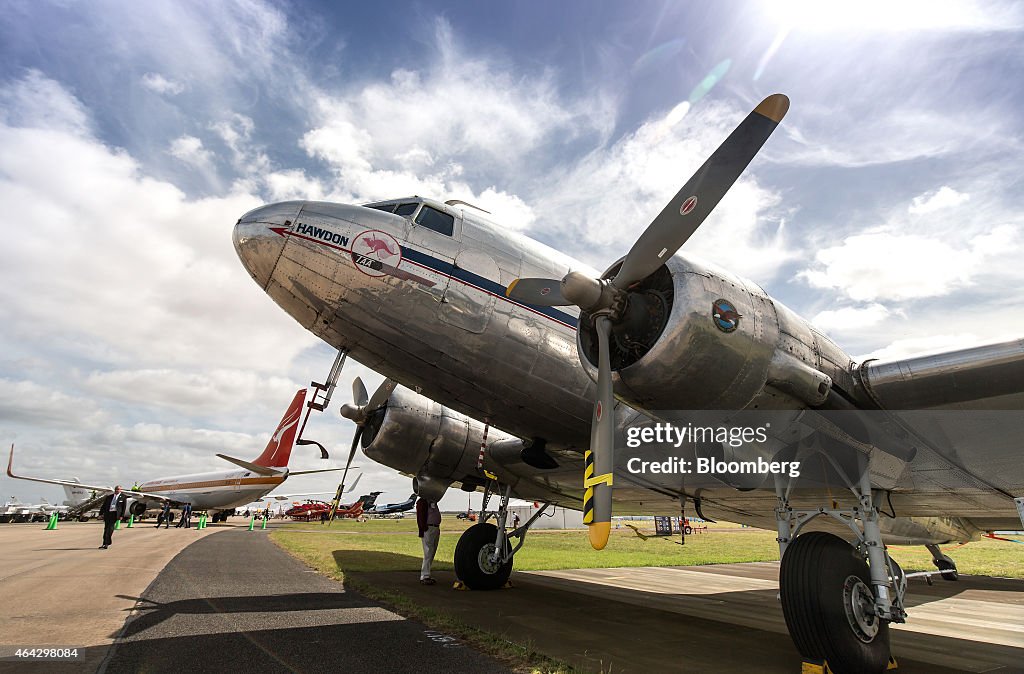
(521, 372)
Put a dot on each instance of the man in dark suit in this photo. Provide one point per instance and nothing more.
(113, 509)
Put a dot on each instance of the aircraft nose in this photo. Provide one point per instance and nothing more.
(258, 239)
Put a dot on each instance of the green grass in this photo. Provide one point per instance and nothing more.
(979, 558)
(358, 546)
(357, 549)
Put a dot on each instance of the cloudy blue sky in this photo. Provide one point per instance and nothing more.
(132, 135)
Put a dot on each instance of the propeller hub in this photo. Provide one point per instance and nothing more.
(582, 290)
(352, 412)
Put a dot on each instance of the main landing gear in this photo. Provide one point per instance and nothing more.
(838, 599)
(484, 553)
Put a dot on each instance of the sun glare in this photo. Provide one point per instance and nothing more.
(881, 15)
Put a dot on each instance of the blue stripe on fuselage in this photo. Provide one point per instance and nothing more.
(448, 269)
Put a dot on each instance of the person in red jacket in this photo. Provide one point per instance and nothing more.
(428, 518)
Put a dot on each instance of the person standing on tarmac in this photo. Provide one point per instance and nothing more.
(186, 517)
(113, 509)
(428, 518)
(165, 516)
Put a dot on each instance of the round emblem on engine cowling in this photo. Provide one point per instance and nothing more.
(725, 315)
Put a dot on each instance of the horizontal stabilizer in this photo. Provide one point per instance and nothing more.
(259, 470)
(307, 472)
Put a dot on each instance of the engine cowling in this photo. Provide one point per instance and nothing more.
(419, 437)
(136, 507)
(695, 337)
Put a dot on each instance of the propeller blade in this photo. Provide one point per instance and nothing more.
(358, 392)
(543, 292)
(348, 464)
(598, 477)
(694, 202)
(381, 395)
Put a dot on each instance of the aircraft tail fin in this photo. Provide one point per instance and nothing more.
(75, 495)
(279, 449)
(259, 470)
(352, 488)
(370, 499)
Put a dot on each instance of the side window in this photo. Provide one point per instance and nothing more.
(406, 210)
(440, 222)
(390, 208)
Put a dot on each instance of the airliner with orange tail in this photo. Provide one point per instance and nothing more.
(218, 491)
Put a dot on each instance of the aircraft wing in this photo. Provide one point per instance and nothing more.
(70, 483)
(966, 414)
(983, 377)
(285, 497)
(319, 470)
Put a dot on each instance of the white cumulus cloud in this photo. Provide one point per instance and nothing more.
(850, 318)
(894, 266)
(942, 198)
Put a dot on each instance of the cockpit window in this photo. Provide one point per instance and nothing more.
(390, 208)
(406, 209)
(439, 221)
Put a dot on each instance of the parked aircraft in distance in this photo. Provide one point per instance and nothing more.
(521, 369)
(217, 492)
(356, 509)
(16, 511)
(393, 508)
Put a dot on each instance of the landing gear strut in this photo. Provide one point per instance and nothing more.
(838, 599)
(484, 553)
(945, 565)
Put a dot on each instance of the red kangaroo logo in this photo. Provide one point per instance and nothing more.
(376, 246)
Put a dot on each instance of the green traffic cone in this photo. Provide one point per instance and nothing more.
(131, 520)
(202, 521)
(252, 522)
(50, 524)
(264, 523)
(117, 524)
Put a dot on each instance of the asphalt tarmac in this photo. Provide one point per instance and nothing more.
(58, 589)
(229, 601)
(235, 602)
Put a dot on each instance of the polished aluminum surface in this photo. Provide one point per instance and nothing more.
(435, 319)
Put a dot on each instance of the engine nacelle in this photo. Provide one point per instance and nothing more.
(417, 436)
(137, 508)
(695, 337)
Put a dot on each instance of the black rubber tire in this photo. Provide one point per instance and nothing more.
(467, 556)
(811, 580)
(687, 530)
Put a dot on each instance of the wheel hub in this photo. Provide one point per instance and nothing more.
(859, 606)
(486, 558)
